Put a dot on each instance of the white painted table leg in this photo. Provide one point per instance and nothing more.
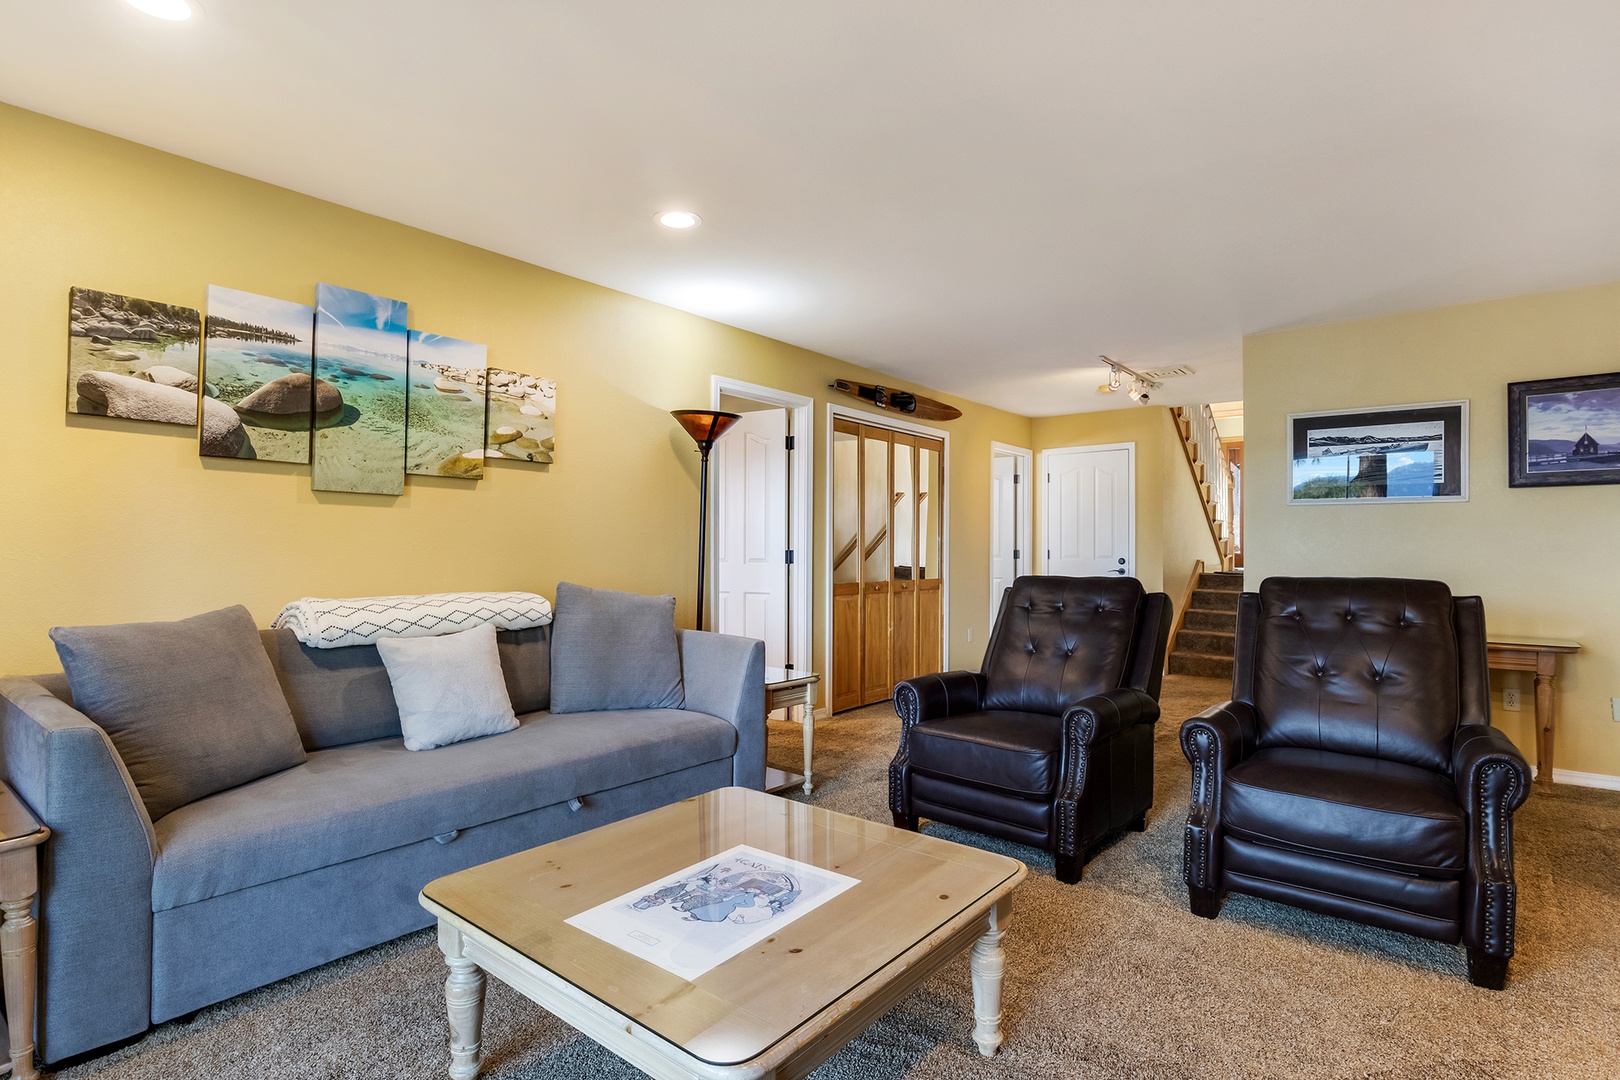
(17, 936)
(807, 719)
(464, 1000)
(987, 964)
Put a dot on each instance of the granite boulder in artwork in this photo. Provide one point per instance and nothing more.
(522, 417)
(258, 358)
(116, 340)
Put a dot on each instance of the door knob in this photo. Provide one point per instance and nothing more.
(1121, 573)
(1122, 562)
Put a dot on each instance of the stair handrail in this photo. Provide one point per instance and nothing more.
(1202, 444)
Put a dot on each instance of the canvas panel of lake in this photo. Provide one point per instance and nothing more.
(360, 348)
(258, 358)
(444, 432)
(522, 417)
(1572, 432)
(132, 358)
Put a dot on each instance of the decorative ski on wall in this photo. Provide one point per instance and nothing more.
(900, 401)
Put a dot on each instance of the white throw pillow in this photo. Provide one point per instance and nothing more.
(448, 688)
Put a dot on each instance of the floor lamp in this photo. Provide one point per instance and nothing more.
(705, 426)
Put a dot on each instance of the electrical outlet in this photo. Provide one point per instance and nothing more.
(1510, 700)
(1614, 708)
(970, 641)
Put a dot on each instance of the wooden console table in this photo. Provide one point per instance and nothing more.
(784, 689)
(1540, 656)
(20, 835)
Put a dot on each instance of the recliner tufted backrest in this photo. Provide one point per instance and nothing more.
(1060, 639)
(1366, 666)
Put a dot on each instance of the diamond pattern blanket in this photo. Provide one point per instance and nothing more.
(332, 624)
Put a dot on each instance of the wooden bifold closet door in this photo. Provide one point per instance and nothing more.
(888, 613)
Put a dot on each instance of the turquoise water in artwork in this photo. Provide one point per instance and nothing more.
(445, 429)
(360, 343)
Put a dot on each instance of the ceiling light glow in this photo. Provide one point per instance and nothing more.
(669, 219)
(172, 10)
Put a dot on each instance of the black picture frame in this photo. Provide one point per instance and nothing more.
(1543, 415)
(1389, 454)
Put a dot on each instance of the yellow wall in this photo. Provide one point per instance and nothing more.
(1543, 559)
(110, 520)
(1171, 533)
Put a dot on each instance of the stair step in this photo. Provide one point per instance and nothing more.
(1221, 581)
(1210, 667)
(1214, 599)
(1208, 642)
(1201, 619)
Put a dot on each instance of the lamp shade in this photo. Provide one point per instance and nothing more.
(705, 425)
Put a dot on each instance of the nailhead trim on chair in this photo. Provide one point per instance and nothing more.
(1500, 894)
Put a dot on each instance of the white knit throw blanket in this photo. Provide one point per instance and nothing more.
(332, 624)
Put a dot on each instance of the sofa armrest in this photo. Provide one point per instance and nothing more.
(1098, 718)
(1214, 741)
(929, 697)
(724, 676)
(1493, 780)
(95, 901)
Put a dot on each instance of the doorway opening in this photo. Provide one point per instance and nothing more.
(760, 530)
(1088, 510)
(1011, 545)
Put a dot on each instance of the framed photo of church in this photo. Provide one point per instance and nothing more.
(1398, 453)
(1564, 432)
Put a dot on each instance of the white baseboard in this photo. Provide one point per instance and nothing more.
(1583, 779)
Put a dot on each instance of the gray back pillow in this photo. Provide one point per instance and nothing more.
(193, 707)
(613, 650)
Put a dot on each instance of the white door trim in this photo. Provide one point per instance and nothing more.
(801, 504)
(1026, 466)
(1046, 481)
(860, 416)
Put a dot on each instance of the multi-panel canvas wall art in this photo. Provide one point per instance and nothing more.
(444, 432)
(344, 386)
(360, 348)
(522, 417)
(132, 358)
(258, 358)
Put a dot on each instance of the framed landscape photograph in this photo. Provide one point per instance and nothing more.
(1564, 432)
(1398, 453)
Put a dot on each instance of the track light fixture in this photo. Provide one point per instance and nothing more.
(1140, 384)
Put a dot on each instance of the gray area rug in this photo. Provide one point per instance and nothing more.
(1108, 978)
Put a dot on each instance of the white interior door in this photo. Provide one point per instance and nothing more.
(750, 542)
(1091, 511)
(1004, 538)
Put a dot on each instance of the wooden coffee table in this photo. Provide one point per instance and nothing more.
(778, 1009)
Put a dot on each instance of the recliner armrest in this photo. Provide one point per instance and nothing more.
(929, 697)
(1493, 780)
(1214, 741)
(1102, 716)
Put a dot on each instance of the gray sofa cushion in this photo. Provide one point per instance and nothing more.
(342, 696)
(193, 706)
(351, 801)
(613, 650)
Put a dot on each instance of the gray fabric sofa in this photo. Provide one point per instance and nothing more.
(143, 921)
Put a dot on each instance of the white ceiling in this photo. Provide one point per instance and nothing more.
(980, 197)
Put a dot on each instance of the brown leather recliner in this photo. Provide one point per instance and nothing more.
(1051, 743)
(1355, 772)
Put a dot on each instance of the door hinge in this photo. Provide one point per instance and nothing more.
(790, 442)
(1016, 478)
(790, 556)
(1017, 554)
(787, 667)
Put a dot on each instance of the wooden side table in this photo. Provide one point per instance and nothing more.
(20, 834)
(1538, 655)
(785, 688)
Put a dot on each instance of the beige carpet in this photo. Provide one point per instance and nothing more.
(1108, 978)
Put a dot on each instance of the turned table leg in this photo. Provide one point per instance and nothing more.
(18, 933)
(807, 720)
(464, 1000)
(1546, 718)
(987, 964)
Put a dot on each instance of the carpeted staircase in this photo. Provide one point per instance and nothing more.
(1205, 643)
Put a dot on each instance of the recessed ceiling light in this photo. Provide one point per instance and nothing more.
(172, 10)
(669, 219)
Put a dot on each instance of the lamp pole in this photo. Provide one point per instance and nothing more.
(705, 426)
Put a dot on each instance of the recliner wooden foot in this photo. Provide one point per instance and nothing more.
(1205, 903)
(1487, 971)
